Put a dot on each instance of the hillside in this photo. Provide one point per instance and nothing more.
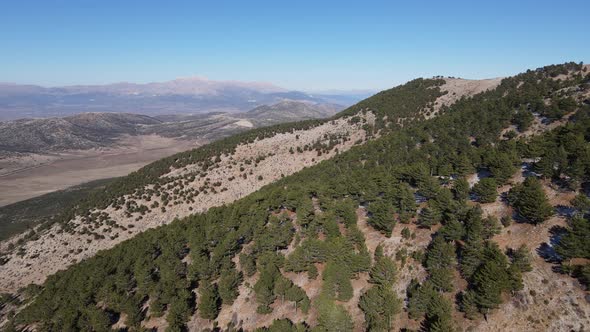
(43, 155)
(271, 114)
(25, 215)
(93, 130)
(82, 131)
(381, 217)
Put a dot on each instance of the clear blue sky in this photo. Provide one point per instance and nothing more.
(305, 45)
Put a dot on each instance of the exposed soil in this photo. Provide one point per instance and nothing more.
(27, 176)
(457, 88)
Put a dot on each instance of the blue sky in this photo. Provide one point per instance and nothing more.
(305, 45)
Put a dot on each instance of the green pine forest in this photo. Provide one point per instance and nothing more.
(411, 171)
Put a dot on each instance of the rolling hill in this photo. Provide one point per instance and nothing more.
(93, 130)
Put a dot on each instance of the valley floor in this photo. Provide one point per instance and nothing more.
(27, 176)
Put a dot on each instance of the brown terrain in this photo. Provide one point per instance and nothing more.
(30, 175)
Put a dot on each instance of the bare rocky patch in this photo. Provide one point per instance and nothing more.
(234, 176)
(457, 88)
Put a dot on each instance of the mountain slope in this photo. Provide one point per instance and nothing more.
(82, 131)
(93, 130)
(324, 241)
(290, 109)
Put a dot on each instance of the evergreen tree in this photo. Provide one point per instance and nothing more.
(429, 187)
(440, 254)
(501, 165)
(530, 201)
(248, 264)
(491, 227)
(468, 304)
(582, 203)
(452, 230)
(441, 279)
(521, 258)
(229, 282)
(429, 217)
(471, 257)
(264, 289)
(381, 217)
(575, 242)
(179, 311)
(282, 286)
(463, 166)
(486, 190)
(332, 317)
(461, 189)
(297, 295)
(438, 314)
(283, 325)
(383, 272)
(209, 300)
(546, 165)
(404, 200)
(379, 304)
(337, 282)
(523, 119)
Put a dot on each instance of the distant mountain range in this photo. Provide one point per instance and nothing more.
(181, 96)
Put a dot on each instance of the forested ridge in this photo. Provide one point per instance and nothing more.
(308, 224)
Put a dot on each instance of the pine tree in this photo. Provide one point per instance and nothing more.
(461, 189)
(209, 301)
(429, 217)
(282, 286)
(464, 166)
(381, 217)
(485, 190)
(582, 203)
(179, 311)
(491, 227)
(471, 257)
(332, 317)
(264, 289)
(574, 243)
(298, 295)
(379, 304)
(452, 230)
(404, 200)
(546, 165)
(521, 258)
(441, 279)
(379, 252)
(429, 187)
(468, 304)
(489, 281)
(501, 166)
(383, 272)
(229, 282)
(440, 254)
(248, 264)
(282, 325)
(530, 201)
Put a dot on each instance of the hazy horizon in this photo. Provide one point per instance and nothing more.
(304, 46)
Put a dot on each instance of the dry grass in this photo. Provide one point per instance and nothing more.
(30, 175)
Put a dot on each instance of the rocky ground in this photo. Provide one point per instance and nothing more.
(55, 250)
